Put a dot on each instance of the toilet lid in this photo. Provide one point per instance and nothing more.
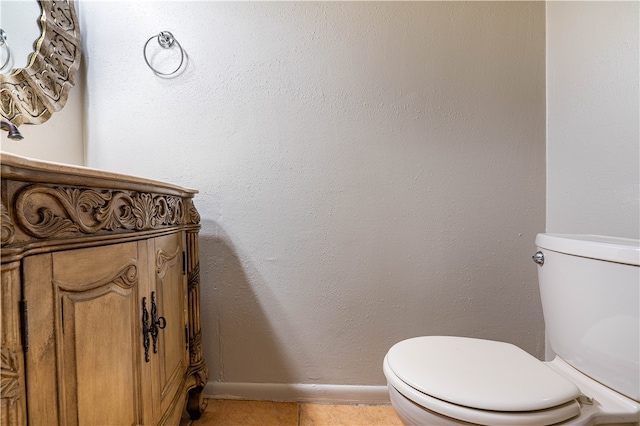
(479, 374)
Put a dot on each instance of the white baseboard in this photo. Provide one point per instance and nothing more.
(298, 392)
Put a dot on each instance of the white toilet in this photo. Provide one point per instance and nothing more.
(590, 291)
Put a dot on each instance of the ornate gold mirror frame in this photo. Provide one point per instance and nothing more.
(31, 94)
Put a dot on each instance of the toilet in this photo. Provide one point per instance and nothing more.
(590, 292)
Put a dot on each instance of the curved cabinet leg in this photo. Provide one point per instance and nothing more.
(196, 403)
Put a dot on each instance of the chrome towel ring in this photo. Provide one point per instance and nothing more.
(3, 42)
(166, 40)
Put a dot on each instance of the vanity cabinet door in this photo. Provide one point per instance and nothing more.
(85, 337)
(170, 359)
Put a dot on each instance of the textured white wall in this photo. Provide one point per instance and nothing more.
(593, 118)
(368, 171)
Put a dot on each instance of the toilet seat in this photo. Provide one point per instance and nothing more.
(480, 381)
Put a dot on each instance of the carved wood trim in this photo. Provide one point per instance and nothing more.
(10, 373)
(125, 278)
(7, 229)
(193, 216)
(53, 211)
(165, 260)
(12, 389)
(197, 368)
(195, 333)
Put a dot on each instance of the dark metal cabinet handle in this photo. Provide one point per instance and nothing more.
(153, 328)
(146, 329)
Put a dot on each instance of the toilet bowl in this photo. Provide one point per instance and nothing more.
(594, 379)
(444, 380)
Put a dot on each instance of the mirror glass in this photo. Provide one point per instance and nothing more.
(19, 20)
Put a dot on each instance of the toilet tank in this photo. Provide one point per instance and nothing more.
(589, 287)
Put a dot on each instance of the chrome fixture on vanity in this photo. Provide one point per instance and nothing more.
(13, 132)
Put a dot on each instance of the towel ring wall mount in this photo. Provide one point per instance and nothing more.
(166, 40)
(3, 43)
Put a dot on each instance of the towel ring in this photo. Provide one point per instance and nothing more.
(166, 40)
(3, 42)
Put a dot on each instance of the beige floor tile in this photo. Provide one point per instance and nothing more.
(248, 413)
(348, 415)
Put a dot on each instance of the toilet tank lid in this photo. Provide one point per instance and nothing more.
(612, 249)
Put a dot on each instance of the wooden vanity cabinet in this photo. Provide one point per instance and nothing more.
(100, 298)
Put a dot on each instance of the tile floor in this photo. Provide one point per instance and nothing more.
(267, 413)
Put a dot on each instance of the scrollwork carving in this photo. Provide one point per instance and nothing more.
(195, 348)
(118, 213)
(125, 278)
(144, 211)
(165, 260)
(45, 212)
(194, 216)
(7, 231)
(42, 219)
(193, 280)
